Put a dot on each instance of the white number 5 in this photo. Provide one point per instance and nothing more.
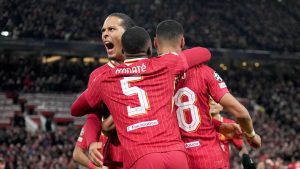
(142, 95)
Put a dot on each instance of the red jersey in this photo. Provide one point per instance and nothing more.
(294, 165)
(112, 152)
(81, 141)
(238, 143)
(139, 97)
(95, 130)
(192, 108)
(100, 70)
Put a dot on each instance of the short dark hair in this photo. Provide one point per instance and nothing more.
(127, 21)
(169, 30)
(135, 40)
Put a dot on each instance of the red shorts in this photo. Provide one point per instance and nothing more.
(169, 160)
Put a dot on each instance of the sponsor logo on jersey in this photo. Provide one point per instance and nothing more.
(142, 125)
(218, 77)
(222, 85)
(192, 144)
(80, 135)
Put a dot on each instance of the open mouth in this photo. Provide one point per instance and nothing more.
(109, 45)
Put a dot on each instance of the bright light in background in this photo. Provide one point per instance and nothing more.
(51, 59)
(87, 60)
(103, 60)
(5, 33)
(74, 60)
(244, 64)
(256, 64)
(223, 66)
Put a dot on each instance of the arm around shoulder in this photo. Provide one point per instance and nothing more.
(80, 106)
(196, 56)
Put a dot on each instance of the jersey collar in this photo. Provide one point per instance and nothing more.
(112, 63)
(130, 61)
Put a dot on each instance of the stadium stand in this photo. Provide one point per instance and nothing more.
(227, 24)
(255, 45)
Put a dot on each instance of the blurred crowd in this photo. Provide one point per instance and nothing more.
(274, 92)
(251, 24)
(49, 150)
(29, 74)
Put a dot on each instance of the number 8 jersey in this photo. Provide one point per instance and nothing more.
(192, 108)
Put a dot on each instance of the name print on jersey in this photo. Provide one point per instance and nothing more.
(131, 70)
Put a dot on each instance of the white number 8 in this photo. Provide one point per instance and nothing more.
(182, 106)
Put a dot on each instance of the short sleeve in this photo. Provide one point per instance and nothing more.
(216, 86)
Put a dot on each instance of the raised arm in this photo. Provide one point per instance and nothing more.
(196, 56)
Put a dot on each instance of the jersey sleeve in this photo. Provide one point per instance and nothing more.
(81, 141)
(93, 94)
(196, 56)
(93, 127)
(216, 86)
(238, 143)
(178, 63)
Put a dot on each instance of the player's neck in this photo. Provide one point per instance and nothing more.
(168, 49)
(115, 63)
(136, 55)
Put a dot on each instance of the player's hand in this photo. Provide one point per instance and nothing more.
(255, 141)
(231, 130)
(94, 155)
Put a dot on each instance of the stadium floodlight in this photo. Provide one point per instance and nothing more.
(5, 33)
(103, 60)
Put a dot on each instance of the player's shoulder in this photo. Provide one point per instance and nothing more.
(201, 69)
(103, 68)
(205, 67)
(166, 59)
(100, 71)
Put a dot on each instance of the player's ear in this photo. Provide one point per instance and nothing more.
(155, 42)
(182, 43)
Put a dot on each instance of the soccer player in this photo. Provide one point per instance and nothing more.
(247, 162)
(113, 28)
(139, 97)
(191, 104)
(81, 147)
